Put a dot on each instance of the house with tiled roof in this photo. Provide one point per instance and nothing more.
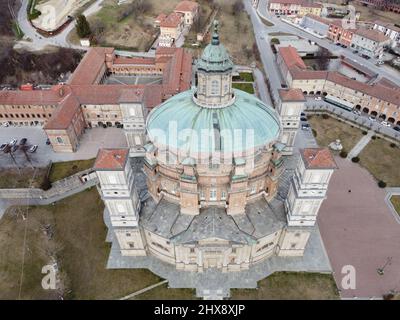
(189, 10)
(171, 29)
(370, 42)
(294, 7)
(390, 30)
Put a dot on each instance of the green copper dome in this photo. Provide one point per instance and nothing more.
(247, 118)
(215, 57)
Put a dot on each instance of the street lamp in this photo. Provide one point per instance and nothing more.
(381, 271)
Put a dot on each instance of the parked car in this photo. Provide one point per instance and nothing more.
(380, 62)
(3, 146)
(385, 123)
(283, 85)
(355, 51)
(318, 98)
(397, 128)
(303, 119)
(338, 44)
(372, 118)
(305, 126)
(14, 148)
(357, 112)
(23, 141)
(48, 141)
(302, 114)
(13, 142)
(343, 46)
(33, 148)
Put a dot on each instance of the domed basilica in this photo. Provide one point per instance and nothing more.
(215, 188)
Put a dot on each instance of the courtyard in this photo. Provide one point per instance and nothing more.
(91, 141)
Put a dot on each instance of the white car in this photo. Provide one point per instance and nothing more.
(33, 148)
(371, 118)
(386, 124)
(317, 98)
(13, 142)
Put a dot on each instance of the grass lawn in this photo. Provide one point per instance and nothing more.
(382, 161)
(396, 203)
(163, 293)
(248, 87)
(23, 178)
(330, 129)
(291, 286)
(61, 170)
(78, 245)
(246, 76)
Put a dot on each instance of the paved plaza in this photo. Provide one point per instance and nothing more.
(90, 143)
(359, 229)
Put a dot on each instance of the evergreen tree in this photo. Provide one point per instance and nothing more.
(82, 27)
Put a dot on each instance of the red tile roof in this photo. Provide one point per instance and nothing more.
(89, 69)
(291, 58)
(186, 6)
(178, 72)
(291, 95)
(111, 159)
(34, 97)
(62, 118)
(172, 21)
(160, 17)
(318, 158)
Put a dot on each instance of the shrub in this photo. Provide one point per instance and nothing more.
(373, 137)
(355, 159)
(46, 184)
(343, 154)
(393, 145)
(325, 116)
(314, 133)
(382, 184)
(364, 133)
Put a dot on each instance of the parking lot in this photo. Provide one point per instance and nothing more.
(90, 142)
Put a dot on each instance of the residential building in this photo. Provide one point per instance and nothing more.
(370, 42)
(294, 7)
(390, 30)
(189, 10)
(340, 32)
(171, 29)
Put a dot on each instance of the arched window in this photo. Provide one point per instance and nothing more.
(214, 87)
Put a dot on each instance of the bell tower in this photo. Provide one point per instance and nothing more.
(214, 75)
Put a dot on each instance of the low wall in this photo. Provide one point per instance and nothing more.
(59, 188)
